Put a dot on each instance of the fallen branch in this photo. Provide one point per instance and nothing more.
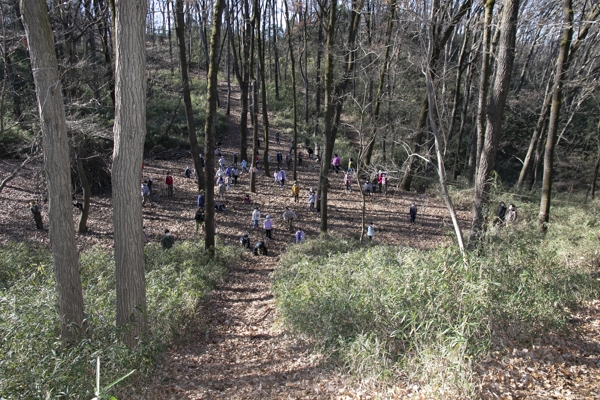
(16, 171)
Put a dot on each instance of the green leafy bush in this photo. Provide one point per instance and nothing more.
(34, 363)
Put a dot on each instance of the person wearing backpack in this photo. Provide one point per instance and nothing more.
(295, 191)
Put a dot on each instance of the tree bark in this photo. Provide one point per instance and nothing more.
(597, 166)
(56, 161)
(209, 127)
(85, 187)
(187, 99)
(129, 133)
(495, 113)
(293, 66)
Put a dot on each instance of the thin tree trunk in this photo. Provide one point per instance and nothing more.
(293, 65)
(263, 89)
(597, 166)
(209, 127)
(85, 187)
(187, 99)
(536, 135)
(56, 161)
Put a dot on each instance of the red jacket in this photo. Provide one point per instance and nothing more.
(169, 180)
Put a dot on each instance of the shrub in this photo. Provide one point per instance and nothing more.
(381, 310)
(35, 364)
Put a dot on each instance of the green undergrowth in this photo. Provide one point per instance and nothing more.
(33, 361)
(384, 312)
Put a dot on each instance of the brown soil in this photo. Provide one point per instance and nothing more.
(237, 350)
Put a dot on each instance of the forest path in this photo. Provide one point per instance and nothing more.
(237, 351)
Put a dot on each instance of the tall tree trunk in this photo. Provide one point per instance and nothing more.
(275, 49)
(187, 99)
(495, 113)
(260, 40)
(565, 56)
(209, 127)
(56, 161)
(382, 75)
(484, 83)
(318, 85)
(129, 133)
(293, 65)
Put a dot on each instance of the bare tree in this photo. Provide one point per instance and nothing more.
(56, 161)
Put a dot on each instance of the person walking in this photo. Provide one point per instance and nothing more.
(279, 159)
(288, 160)
(222, 189)
(300, 155)
(348, 180)
(36, 210)
(201, 200)
(277, 137)
(289, 216)
(169, 183)
(412, 213)
(255, 217)
(244, 166)
(150, 184)
(336, 163)
(282, 177)
(268, 225)
(295, 191)
(187, 173)
(312, 197)
(235, 158)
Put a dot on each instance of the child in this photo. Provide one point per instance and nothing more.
(299, 236)
(312, 197)
(255, 217)
(295, 191)
(236, 174)
(348, 180)
(245, 241)
(370, 231)
(199, 217)
(246, 199)
(244, 166)
(412, 212)
(268, 225)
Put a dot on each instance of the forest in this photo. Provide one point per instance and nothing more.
(459, 104)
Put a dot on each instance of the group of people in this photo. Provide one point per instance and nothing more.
(505, 215)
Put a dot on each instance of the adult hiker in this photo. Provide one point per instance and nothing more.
(384, 183)
(36, 210)
(235, 157)
(150, 184)
(295, 191)
(244, 166)
(289, 216)
(300, 155)
(277, 137)
(279, 159)
(312, 198)
(310, 152)
(255, 217)
(167, 241)
(187, 173)
(268, 225)
(288, 160)
(412, 213)
(169, 183)
(260, 248)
